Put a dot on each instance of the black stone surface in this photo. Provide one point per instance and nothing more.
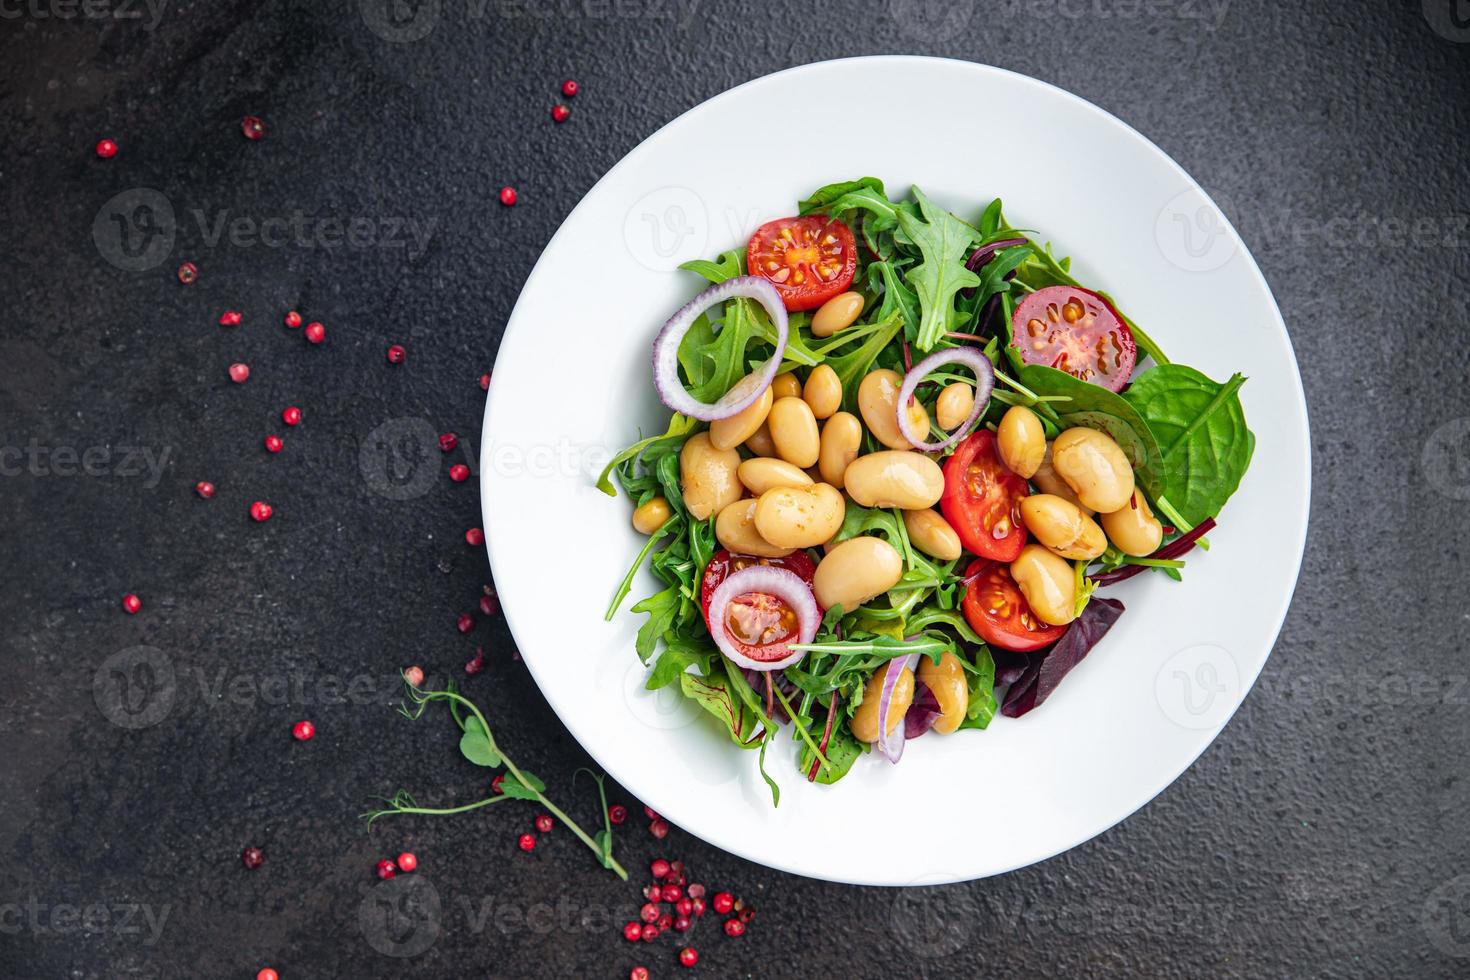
(1324, 834)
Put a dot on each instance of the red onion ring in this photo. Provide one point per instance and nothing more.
(984, 384)
(666, 350)
(782, 583)
(891, 751)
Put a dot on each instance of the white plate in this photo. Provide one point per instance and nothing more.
(572, 385)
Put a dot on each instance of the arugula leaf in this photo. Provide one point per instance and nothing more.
(727, 265)
(981, 681)
(680, 427)
(1098, 408)
(674, 661)
(865, 194)
(944, 241)
(661, 607)
(852, 366)
(1201, 428)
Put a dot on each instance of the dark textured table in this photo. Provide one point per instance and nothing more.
(1325, 834)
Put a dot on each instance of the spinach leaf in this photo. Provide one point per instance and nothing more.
(1201, 429)
(1098, 408)
(842, 751)
(944, 241)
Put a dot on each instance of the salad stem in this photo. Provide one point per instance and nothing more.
(627, 584)
(805, 735)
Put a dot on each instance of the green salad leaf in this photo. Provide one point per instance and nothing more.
(944, 241)
(1098, 408)
(1200, 424)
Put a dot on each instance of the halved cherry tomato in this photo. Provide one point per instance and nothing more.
(982, 499)
(998, 611)
(809, 259)
(761, 624)
(1076, 331)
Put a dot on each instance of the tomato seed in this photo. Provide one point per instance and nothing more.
(559, 113)
(507, 197)
(252, 857)
(230, 318)
(293, 319)
(474, 537)
(239, 373)
(407, 861)
(385, 869)
(188, 272)
(448, 442)
(131, 604)
(253, 127)
(106, 149)
(315, 332)
(397, 354)
(527, 842)
(204, 488)
(303, 731)
(570, 88)
(261, 511)
(291, 415)
(273, 444)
